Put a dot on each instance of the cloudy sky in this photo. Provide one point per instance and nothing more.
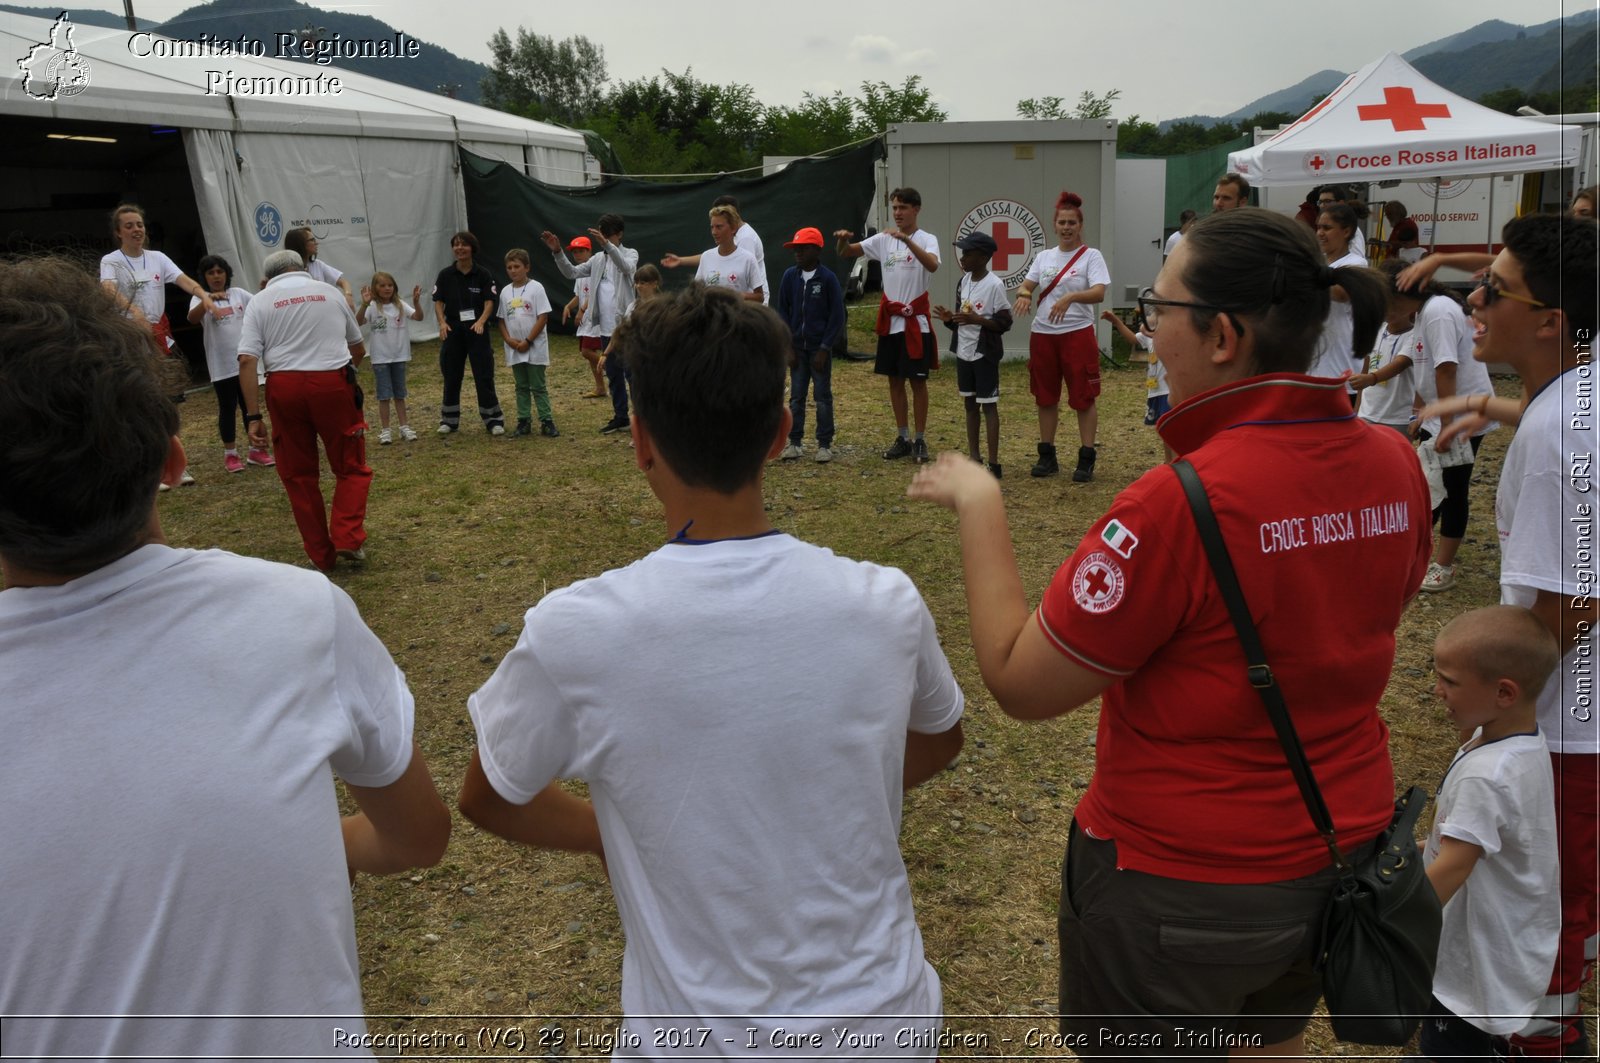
(1169, 58)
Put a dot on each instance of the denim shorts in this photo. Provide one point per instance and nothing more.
(391, 377)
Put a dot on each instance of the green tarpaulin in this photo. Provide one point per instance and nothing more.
(506, 209)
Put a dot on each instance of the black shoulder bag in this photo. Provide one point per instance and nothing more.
(1380, 932)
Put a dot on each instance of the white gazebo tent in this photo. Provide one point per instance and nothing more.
(372, 168)
(1386, 121)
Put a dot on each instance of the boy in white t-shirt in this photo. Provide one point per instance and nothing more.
(746, 801)
(214, 919)
(524, 310)
(1491, 854)
(908, 349)
(980, 318)
(1157, 395)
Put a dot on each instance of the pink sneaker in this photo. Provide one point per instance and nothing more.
(259, 456)
(232, 463)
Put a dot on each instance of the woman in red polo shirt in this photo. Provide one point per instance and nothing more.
(1194, 882)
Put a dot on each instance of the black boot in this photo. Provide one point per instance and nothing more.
(1085, 470)
(524, 426)
(1046, 465)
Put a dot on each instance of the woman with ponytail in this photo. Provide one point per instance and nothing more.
(1194, 883)
(1069, 279)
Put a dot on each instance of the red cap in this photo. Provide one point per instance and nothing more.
(809, 235)
(580, 241)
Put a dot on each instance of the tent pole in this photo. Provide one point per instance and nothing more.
(1433, 233)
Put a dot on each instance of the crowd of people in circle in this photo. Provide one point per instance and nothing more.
(1332, 413)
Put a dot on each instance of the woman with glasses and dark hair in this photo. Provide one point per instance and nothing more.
(1194, 883)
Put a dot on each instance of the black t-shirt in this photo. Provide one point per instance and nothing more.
(464, 291)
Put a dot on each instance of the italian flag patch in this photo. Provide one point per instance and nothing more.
(1117, 536)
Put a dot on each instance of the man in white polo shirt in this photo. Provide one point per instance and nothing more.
(309, 344)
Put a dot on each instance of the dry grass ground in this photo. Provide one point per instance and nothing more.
(468, 532)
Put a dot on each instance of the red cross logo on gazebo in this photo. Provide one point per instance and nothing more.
(1006, 245)
(1316, 162)
(1400, 107)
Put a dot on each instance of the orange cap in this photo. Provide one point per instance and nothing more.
(810, 235)
(580, 242)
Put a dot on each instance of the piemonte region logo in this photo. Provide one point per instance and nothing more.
(54, 69)
(1018, 236)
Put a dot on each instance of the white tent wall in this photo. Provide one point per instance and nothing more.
(373, 169)
(373, 203)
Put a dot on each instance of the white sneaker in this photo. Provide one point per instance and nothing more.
(446, 429)
(1439, 578)
(385, 438)
(824, 455)
(790, 452)
(408, 434)
(497, 430)
(186, 480)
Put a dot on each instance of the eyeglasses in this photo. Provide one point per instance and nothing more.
(1491, 293)
(1150, 310)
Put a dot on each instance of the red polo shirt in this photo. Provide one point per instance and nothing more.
(1327, 521)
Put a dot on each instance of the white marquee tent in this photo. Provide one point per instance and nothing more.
(1388, 121)
(373, 168)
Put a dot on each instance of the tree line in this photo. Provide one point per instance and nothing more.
(675, 123)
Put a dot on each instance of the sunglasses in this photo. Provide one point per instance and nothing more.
(1491, 293)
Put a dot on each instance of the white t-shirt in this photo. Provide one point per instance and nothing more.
(1172, 245)
(615, 265)
(173, 847)
(1498, 943)
(1155, 372)
(1389, 402)
(520, 309)
(904, 279)
(1088, 271)
(980, 297)
(1443, 335)
(142, 280)
(582, 289)
(298, 324)
(748, 796)
(1335, 355)
(738, 270)
(320, 270)
(388, 338)
(1545, 510)
(222, 335)
(746, 237)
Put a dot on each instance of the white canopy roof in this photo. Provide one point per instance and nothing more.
(126, 83)
(1388, 121)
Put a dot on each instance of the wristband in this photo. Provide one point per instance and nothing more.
(251, 418)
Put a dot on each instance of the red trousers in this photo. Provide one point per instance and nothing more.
(1557, 1030)
(305, 406)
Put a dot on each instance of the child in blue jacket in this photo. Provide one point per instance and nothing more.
(812, 303)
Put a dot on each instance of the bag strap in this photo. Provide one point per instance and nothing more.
(1052, 285)
(1259, 673)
